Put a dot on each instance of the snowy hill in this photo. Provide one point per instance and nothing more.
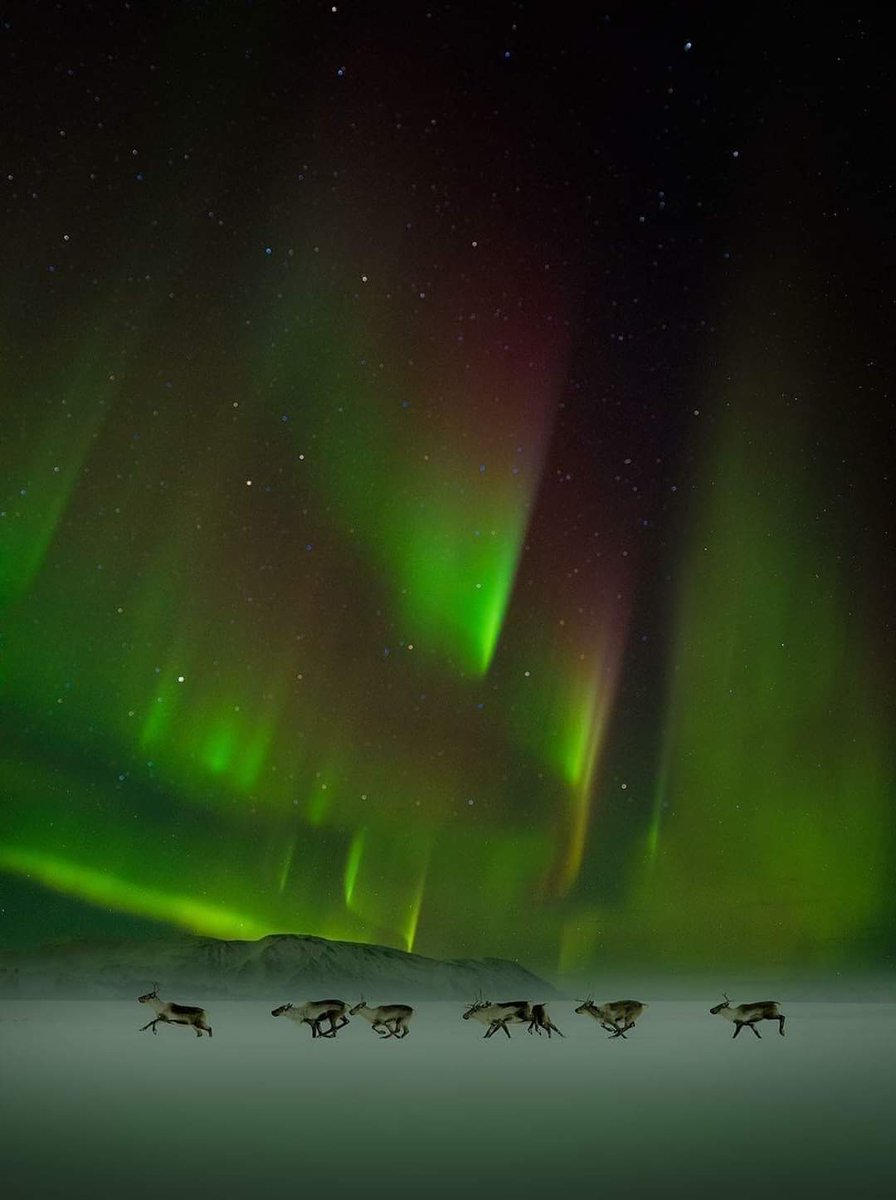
(279, 966)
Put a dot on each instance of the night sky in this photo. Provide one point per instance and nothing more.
(444, 496)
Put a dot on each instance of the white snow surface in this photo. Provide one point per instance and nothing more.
(90, 1107)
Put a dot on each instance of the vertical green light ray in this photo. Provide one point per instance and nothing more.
(234, 746)
(440, 504)
(501, 872)
(353, 865)
(774, 781)
(457, 563)
(580, 940)
(580, 752)
(563, 720)
(164, 701)
(409, 933)
(385, 880)
(42, 462)
(287, 864)
(660, 800)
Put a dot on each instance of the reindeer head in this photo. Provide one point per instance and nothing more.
(475, 1007)
(153, 995)
(278, 1012)
(720, 1007)
(587, 1006)
(362, 1003)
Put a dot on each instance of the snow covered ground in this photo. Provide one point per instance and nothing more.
(89, 1107)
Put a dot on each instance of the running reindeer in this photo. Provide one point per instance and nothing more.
(617, 1017)
(749, 1014)
(499, 1016)
(175, 1014)
(313, 1013)
(388, 1020)
(541, 1020)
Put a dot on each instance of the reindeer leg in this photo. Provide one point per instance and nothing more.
(556, 1030)
(147, 1025)
(503, 1025)
(755, 1030)
(738, 1026)
(781, 1026)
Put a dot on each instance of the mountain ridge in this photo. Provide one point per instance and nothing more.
(234, 968)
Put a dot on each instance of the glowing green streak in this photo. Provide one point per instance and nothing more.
(578, 940)
(287, 866)
(775, 770)
(353, 864)
(318, 804)
(460, 584)
(564, 721)
(43, 473)
(445, 528)
(410, 930)
(385, 879)
(219, 748)
(227, 750)
(164, 702)
(652, 843)
(100, 887)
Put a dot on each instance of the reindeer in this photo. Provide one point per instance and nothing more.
(175, 1014)
(749, 1014)
(499, 1016)
(313, 1012)
(617, 1017)
(541, 1020)
(388, 1020)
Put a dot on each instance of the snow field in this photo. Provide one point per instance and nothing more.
(92, 1107)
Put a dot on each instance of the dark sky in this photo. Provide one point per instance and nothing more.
(446, 484)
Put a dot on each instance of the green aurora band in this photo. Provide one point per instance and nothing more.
(770, 833)
(247, 691)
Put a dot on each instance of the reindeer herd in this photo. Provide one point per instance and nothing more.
(393, 1020)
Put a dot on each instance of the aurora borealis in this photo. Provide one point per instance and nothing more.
(444, 483)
